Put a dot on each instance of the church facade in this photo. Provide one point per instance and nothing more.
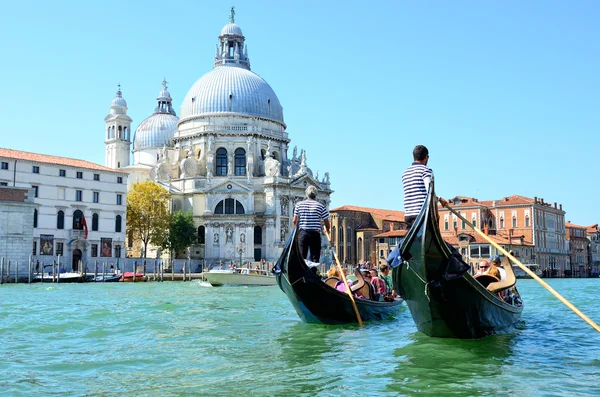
(225, 159)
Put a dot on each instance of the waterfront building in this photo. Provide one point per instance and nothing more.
(593, 235)
(532, 228)
(578, 250)
(16, 223)
(225, 159)
(79, 206)
(363, 234)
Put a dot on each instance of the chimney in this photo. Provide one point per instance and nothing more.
(555, 204)
(535, 200)
(542, 201)
(560, 206)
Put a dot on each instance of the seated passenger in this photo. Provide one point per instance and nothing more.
(379, 284)
(333, 272)
(495, 261)
(483, 267)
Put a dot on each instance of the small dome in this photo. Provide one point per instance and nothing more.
(119, 101)
(156, 131)
(231, 29)
(164, 95)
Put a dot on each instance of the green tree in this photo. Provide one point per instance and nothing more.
(147, 212)
(180, 235)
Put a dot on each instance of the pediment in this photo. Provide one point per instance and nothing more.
(229, 186)
(305, 181)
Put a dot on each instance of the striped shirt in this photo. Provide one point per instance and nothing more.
(415, 191)
(310, 213)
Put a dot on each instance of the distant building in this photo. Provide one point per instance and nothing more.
(79, 207)
(356, 233)
(593, 235)
(16, 225)
(530, 227)
(578, 250)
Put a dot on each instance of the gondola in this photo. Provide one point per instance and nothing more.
(317, 302)
(443, 298)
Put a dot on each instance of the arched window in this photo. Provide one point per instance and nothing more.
(35, 216)
(221, 165)
(240, 162)
(78, 220)
(349, 235)
(229, 206)
(359, 256)
(118, 224)
(95, 222)
(501, 223)
(60, 220)
(514, 221)
(201, 235)
(119, 135)
(276, 156)
(341, 236)
(257, 235)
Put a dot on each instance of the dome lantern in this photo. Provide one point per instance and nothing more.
(231, 50)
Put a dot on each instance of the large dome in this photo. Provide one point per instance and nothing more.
(156, 131)
(231, 89)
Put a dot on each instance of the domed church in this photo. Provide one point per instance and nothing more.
(225, 158)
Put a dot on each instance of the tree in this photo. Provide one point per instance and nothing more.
(180, 235)
(147, 212)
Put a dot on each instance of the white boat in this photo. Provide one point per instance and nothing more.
(520, 273)
(242, 276)
(65, 277)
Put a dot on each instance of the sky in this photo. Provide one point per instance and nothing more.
(506, 95)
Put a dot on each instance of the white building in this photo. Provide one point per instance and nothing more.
(79, 206)
(16, 226)
(225, 160)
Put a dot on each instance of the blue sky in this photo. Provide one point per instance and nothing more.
(505, 95)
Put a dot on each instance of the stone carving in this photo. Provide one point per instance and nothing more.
(272, 167)
(216, 238)
(229, 234)
(249, 167)
(289, 170)
(303, 166)
(317, 176)
(326, 177)
(189, 166)
(163, 154)
(295, 153)
(268, 149)
(211, 143)
(242, 238)
(284, 206)
(229, 168)
(284, 230)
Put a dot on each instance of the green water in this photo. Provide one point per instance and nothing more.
(182, 339)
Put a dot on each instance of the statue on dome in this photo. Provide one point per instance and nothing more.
(317, 176)
(326, 178)
(295, 153)
(232, 15)
(211, 143)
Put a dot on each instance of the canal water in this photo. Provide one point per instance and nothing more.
(186, 339)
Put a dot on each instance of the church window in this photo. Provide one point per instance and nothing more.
(60, 220)
(221, 162)
(119, 136)
(78, 220)
(118, 224)
(240, 162)
(201, 235)
(95, 222)
(35, 217)
(341, 236)
(35, 169)
(276, 156)
(229, 206)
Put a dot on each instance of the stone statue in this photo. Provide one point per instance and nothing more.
(229, 234)
(289, 170)
(232, 15)
(216, 238)
(269, 148)
(229, 168)
(249, 167)
(272, 167)
(295, 152)
(284, 230)
(284, 206)
(249, 143)
(163, 154)
(326, 177)
(317, 176)
(242, 238)
(211, 143)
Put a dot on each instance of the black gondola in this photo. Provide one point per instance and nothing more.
(443, 298)
(317, 302)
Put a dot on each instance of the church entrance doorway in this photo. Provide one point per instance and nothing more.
(76, 259)
(257, 254)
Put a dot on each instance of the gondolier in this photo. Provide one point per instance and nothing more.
(308, 215)
(416, 181)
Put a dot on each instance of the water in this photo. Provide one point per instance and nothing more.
(182, 339)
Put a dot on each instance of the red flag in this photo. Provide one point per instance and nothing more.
(84, 223)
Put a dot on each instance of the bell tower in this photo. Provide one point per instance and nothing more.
(118, 133)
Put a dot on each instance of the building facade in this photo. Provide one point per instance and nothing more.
(226, 158)
(16, 225)
(578, 250)
(593, 236)
(355, 232)
(79, 207)
(532, 228)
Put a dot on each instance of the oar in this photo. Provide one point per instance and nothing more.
(341, 271)
(529, 272)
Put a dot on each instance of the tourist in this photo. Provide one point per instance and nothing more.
(416, 181)
(378, 284)
(483, 267)
(387, 279)
(308, 215)
(495, 262)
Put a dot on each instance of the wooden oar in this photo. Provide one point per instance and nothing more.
(348, 290)
(529, 272)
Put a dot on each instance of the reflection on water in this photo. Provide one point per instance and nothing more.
(435, 366)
